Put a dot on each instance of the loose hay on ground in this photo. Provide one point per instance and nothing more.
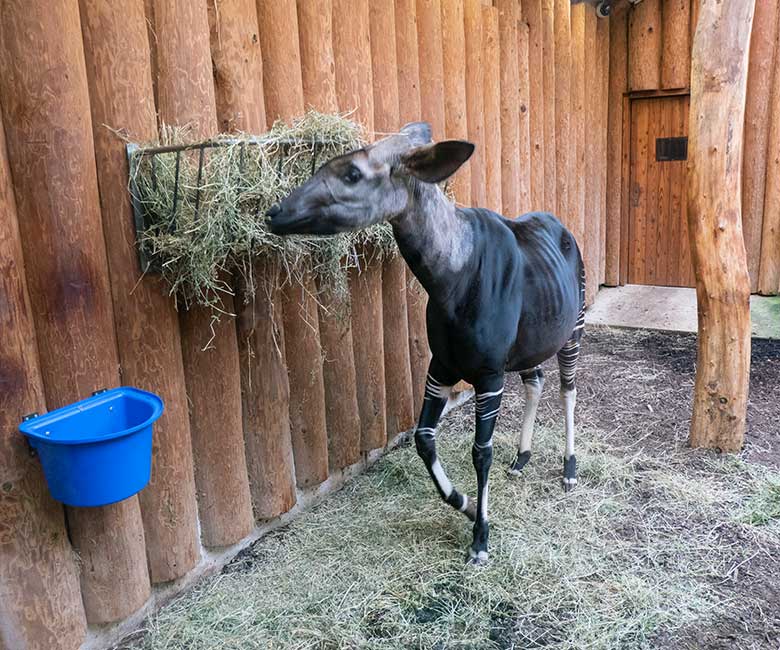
(643, 547)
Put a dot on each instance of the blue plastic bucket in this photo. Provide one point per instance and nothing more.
(99, 450)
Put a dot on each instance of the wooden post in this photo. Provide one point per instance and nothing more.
(475, 82)
(224, 495)
(602, 45)
(341, 406)
(209, 347)
(618, 85)
(429, 43)
(718, 86)
(644, 41)
(409, 109)
(43, 78)
(676, 44)
(563, 159)
(524, 117)
(454, 65)
(769, 264)
(238, 65)
(116, 51)
(583, 176)
(354, 90)
(318, 75)
(41, 605)
(590, 247)
(491, 53)
(532, 14)
(266, 397)
(514, 190)
(398, 373)
(549, 87)
(758, 118)
(283, 89)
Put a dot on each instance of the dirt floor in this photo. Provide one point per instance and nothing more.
(659, 546)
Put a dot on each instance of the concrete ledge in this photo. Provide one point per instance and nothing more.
(671, 309)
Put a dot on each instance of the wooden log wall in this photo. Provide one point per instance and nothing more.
(650, 54)
(247, 426)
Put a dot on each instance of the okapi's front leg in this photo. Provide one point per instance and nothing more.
(488, 404)
(438, 387)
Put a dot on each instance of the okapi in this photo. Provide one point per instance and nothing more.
(504, 295)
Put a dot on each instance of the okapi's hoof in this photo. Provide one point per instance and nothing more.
(569, 473)
(516, 468)
(477, 558)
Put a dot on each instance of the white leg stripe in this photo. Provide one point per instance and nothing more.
(465, 505)
(485, 502)
(441, 478)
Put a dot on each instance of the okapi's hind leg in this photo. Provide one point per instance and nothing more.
(437, 392)
(567, 363)
(533, 382)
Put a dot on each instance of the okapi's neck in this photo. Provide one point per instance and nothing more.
(435, 240)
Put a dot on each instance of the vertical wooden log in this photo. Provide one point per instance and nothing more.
(475, 82)
(398, 373)
(644, 39)
(618, 85)
(209, 346)
(265, 389)
(602, 45)
(315, 24)
(410, 111)
(429, 43)
(563, 159)
(352, 54)
(308, 425)
(719, 72)
(549, 87)
(491, 53)
(266, 397)
(514, 190)
(761, 70)
(226, 512)
(769, 258)
(43, 90)
(524, 117)
(582, 174)
(237, 64)
(279, 43)
(676, 44)
(40, 602)
(532, 14)
(318, 75)
(590, 248)
(454, 65)
(120, 84)
(283, 90)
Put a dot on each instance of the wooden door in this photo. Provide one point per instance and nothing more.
(659, 251)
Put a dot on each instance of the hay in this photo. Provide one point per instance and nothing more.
(638, 550)
(210, 224)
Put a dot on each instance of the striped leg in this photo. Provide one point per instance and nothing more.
(533, 381)
(488, 404)
(437, 391)
(567, 362)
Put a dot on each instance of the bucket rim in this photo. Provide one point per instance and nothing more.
(32, 428)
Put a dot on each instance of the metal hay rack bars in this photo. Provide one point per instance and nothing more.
(166, 181)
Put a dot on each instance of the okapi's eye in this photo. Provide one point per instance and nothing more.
(353, 175)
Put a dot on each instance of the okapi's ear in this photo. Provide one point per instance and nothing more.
(435, 163)
(419, 133)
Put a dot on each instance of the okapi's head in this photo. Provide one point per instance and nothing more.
(372, 184)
